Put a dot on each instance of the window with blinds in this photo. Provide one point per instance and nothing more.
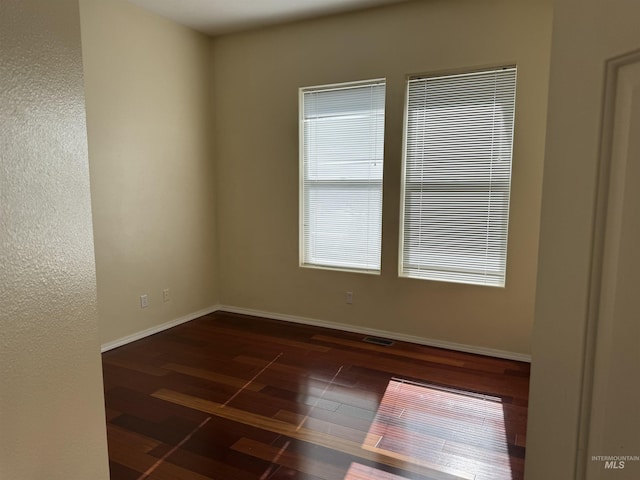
(341, 163)
(457, 177)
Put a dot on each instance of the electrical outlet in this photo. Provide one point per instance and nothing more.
(349, 298)
(144, 301)
(165, 295)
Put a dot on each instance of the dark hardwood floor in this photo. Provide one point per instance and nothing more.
(232, 397)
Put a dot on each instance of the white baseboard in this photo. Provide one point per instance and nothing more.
(490, 352)
(460, 347)
(158, 328)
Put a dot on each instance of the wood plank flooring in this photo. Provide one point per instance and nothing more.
(233, 397)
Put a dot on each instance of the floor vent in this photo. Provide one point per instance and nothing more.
(378, 341)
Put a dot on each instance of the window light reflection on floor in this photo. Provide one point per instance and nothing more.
(457, 432)
(358, 471)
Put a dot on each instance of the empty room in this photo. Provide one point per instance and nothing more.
(378, 239)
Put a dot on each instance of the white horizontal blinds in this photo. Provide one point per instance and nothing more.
(342, 158)
(457, 175)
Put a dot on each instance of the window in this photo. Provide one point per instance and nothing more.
(341, 155)
(457, 176)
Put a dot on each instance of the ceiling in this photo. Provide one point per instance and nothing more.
(216, 17)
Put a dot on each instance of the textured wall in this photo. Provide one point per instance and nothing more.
(152, 172)
(256, 80)
(51, 403)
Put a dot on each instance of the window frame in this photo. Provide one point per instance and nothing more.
(402, 273)
(302, 181)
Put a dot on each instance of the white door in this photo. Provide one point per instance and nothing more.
(613, 411)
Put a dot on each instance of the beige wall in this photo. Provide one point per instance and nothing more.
(256, 77)
(51, 404)
(586, 34)
(152, 174)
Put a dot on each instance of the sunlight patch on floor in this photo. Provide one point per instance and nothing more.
(458, 430)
